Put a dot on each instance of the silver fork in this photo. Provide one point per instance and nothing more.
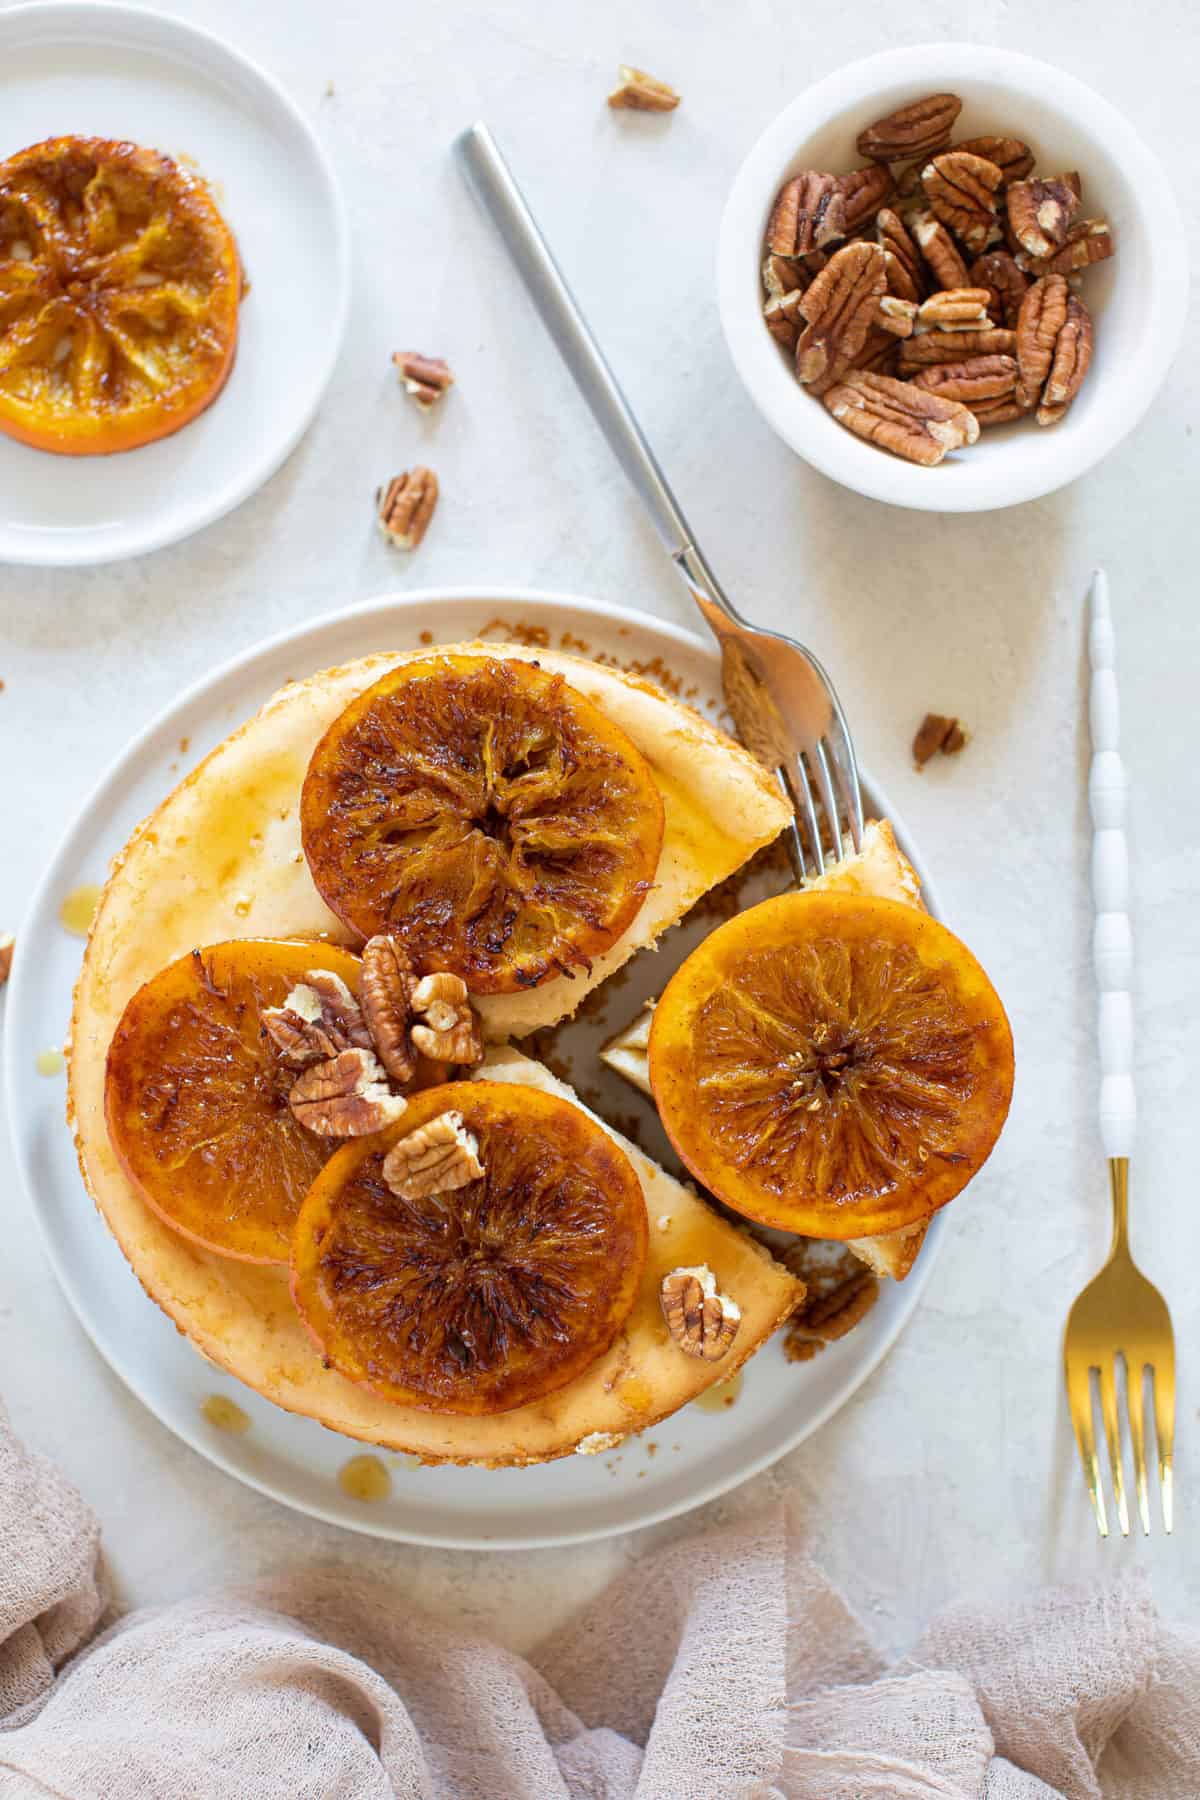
(779, 696)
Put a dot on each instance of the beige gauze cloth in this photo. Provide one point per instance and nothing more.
(721, 1668)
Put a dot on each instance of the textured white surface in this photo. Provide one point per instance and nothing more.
(954, 1469)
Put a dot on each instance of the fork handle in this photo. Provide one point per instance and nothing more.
(547, 287)
(1112, 935)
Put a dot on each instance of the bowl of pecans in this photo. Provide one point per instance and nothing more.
(952, 278)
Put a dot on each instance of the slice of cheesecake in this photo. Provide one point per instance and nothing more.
(879, 868)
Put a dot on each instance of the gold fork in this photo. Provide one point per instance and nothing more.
(1119, 1316)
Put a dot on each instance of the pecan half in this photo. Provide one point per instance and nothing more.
(1072, 354)
(1042, 316)
(1005, 282)
(701, 1321)
(786, 274)
(346, 1097)
(937, 732)
(426, 378)
(878, 352)
(973, 382)
(917, 129)
(1012, 157)
(839, 1292)
(940, 251)
(901, 417)
(1040, 212)
(955, 309)
(445, 1025)
(7, 943)
(961, 189)
(905, 270)
(406, 505)
(864, 192)
(954, 346)
(897, 317)
(641, 92)
(809, 211)
(840, 307)
(387, 985)
(1088, 241)
(437, 1158)
(319, 1018)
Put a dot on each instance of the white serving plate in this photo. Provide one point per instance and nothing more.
(115, 71)
(699, 1454)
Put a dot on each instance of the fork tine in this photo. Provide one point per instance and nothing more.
(1164, 1431)
(795, 839)
(800, 788)
(1079, 1397)
(840, 747)
(1112, 1433)
(1135, 1379)
(829, 799)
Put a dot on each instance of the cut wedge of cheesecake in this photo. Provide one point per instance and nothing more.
(881, 869)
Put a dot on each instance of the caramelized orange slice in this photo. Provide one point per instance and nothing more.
(196, 1096)
(487, 1296)
(832, 1064)
(485, 814)
(119, 292)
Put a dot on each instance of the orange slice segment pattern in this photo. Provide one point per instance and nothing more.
(485, 814)
(119, 292)
(485, 1298)
(832, 1064)
(196, 1096)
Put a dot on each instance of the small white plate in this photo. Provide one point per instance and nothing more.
(114, 71)
(690, 1458)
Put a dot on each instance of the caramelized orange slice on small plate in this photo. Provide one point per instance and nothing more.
(119, 292)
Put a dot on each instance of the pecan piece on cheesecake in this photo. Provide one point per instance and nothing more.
(437, 1158)
(701, 1321)
(346, 1097)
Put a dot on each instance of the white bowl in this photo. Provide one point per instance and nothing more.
(1138, 298)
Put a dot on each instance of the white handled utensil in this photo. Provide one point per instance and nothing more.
(1119, 1316)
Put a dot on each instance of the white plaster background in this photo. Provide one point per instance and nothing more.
(953, 1468)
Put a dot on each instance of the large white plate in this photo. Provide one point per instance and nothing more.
(697, 1454)
(114, 71)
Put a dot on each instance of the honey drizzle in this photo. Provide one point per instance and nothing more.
(364, 1478)
(78, 909)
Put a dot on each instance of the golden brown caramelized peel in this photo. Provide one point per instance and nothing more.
(196, 1096)
(485, 814)
(119, 292)
(832, 1064)
(488, 1296)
